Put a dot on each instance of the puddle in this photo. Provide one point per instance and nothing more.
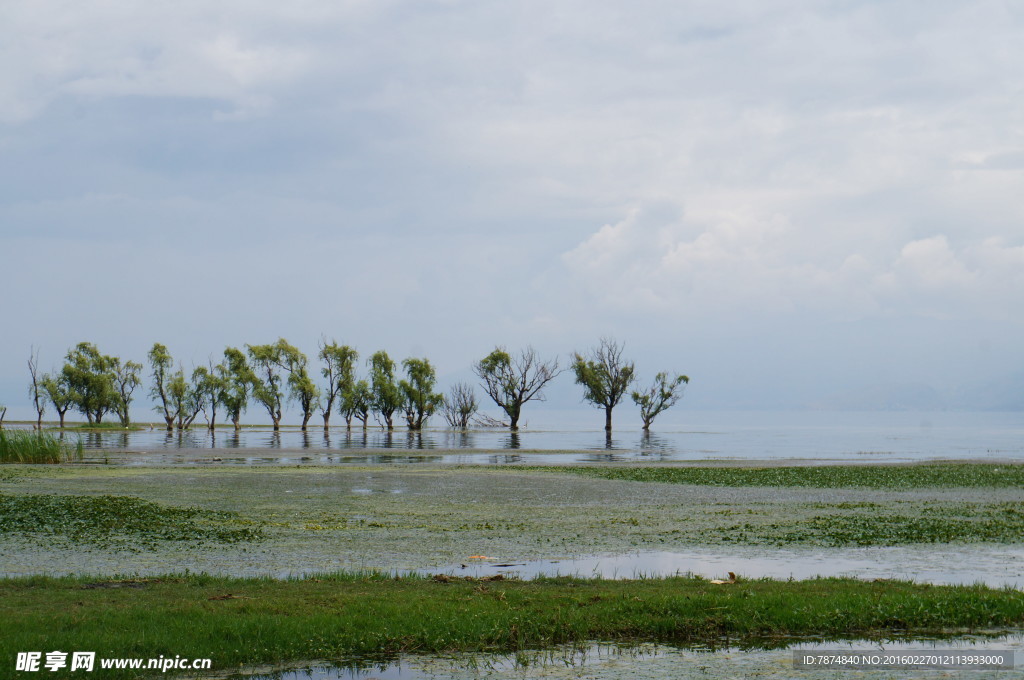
(611, 662)
(994, 566)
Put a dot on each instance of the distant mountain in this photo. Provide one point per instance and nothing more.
(1003, 394)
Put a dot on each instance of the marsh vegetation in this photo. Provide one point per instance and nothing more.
(21, 446)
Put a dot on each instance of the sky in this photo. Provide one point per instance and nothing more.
(792, 202)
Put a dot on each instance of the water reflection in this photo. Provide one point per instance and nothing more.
(768, 659)
(997, 567)
(974, 436)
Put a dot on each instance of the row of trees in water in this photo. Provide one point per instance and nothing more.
(270, 376)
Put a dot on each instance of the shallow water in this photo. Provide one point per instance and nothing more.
(996, 566)
(609, 662)
(828, 436)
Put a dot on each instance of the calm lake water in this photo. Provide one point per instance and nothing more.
(699, 435)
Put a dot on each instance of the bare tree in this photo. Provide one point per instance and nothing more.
(35, 390)
(513, 381)
(459, 405)
(605, 376)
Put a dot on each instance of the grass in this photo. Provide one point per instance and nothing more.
(357, 616)
(23, 446)
(119, 522)
(947, 475)
(117, 427)
(945, 524)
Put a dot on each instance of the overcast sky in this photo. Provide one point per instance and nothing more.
(786, 200)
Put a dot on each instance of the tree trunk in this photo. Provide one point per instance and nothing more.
(62, 414)
(170, 422)
(238, 425)
(305, 420)
(608, 418)
(327, 419)
(514, 422)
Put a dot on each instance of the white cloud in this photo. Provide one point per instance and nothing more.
(742, 264)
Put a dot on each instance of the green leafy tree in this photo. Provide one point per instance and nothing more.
(210, 385)
(90, 378)
(238, 378)
(186, 401)
(662, 395)
(126, 379)
(339, 370)
(420, 401)
(266, 379)
(35, 388)
(605, 376)
(356, 401)
(161, 363)
(304, 391)
(387, 396)
(513, 381)
(272, 362)
(58, 392)
(459, 405)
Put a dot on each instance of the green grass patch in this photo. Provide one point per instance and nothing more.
(118, 522)
(342, 617)
(117, 427)
(949, 475)
(25, 446)
(939, 523)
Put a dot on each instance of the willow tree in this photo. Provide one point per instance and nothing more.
(126, 378)
(238, 378)
(210, 385)
(339, 369)
(161, 363)
(605, 376)
(90, 379)
(303, 390)
(386, 396)
(267, 379)
(513, 381)
(185, 399)
(356, 402)
(59, 393)
(661, 395)
(419, 399)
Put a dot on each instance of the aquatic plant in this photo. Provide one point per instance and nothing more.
(945, 475)
(22, 446)
(118, 521)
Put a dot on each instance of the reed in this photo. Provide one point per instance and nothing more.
(23, 446)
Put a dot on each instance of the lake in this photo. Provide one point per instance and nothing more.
(688, 436)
